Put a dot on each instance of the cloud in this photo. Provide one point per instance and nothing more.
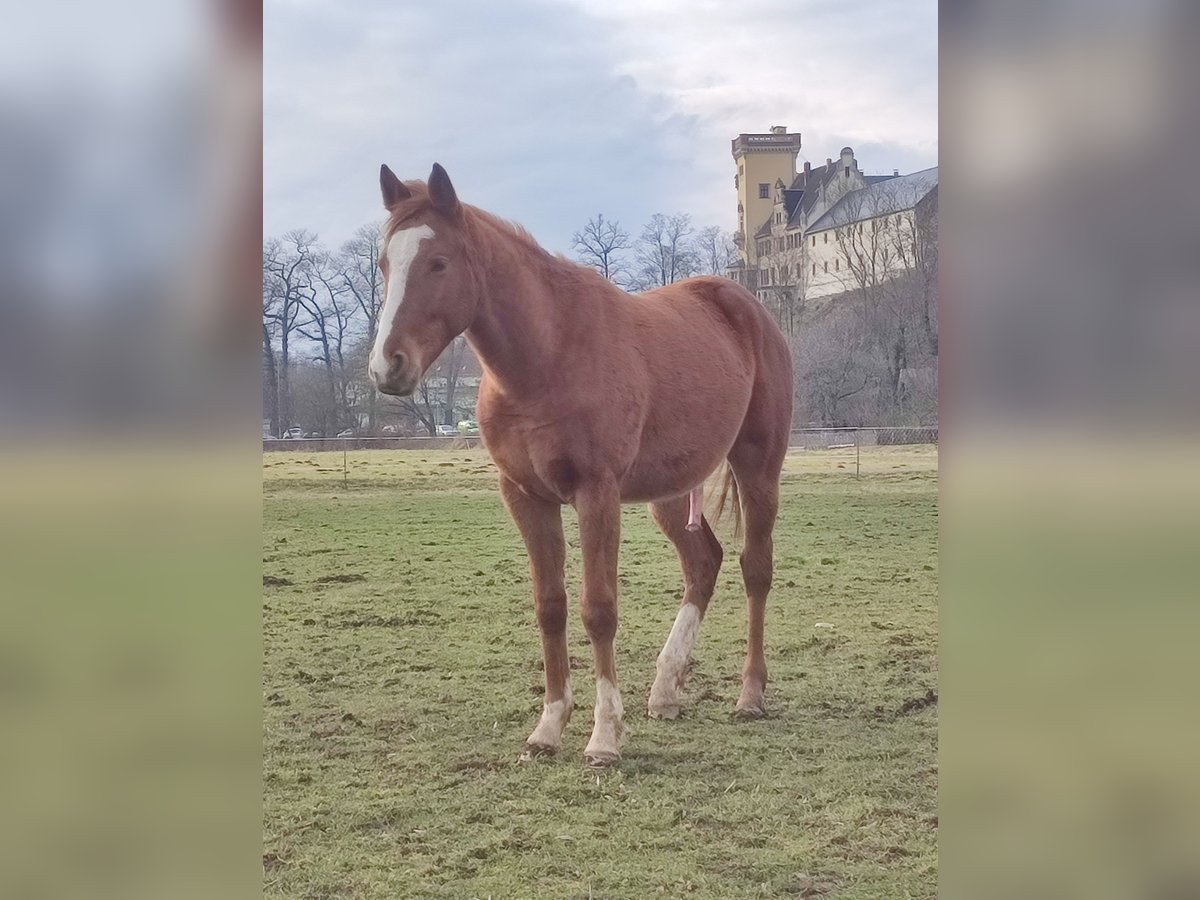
(547, 113)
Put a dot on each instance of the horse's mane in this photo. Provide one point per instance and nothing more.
(554, 264)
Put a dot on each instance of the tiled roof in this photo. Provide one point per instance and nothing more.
(880, 198)
(818, 176)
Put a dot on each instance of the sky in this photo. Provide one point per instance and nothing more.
(547, 112)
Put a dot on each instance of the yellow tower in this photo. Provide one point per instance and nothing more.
(761, 159)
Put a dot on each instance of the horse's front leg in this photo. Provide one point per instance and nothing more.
(540, 524)
(599, 508)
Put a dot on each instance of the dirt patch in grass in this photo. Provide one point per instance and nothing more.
(424, 617)
(916, 704)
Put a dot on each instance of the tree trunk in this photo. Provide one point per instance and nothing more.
(272, 391)
(285, 391)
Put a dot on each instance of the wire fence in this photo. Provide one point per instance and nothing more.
(834, 438)
(841, 448)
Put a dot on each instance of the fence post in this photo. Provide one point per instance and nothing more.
(857, 444)
(345, 470)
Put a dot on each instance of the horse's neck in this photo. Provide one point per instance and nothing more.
(518, 328)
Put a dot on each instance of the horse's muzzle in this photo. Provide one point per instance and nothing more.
(398, 384)
(399, 379)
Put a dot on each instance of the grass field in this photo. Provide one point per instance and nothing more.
(402, 675)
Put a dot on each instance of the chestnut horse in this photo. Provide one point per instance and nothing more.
(594, 397)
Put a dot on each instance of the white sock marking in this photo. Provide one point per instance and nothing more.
(554, 719)
(609, 733)
(673, 660)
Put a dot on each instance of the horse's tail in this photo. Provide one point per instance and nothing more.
(729, 490)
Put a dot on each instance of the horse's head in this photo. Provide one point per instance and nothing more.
(431, 292)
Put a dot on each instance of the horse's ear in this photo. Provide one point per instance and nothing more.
(441, 191)
(393, 188)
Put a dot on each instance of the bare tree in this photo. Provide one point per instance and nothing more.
(786, 298)
(331, 312)
(664, 251)
(884, 254)
(833, 368)
(600, 244)
(270, 373)
(866, 250)
(714, 251)
(922, 244)
(362, 278)
(286, 277)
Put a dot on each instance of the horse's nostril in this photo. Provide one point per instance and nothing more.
(398, 361)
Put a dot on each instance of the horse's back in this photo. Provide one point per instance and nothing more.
(768, 412)
(738, 318)
(707, 345)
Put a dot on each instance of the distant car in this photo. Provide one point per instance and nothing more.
(315, 434)
(468, 426)
(447, 431)
(346, 432)
(293, 433)
(390, 429)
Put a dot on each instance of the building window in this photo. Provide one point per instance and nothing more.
(814, 240)
(826, 241)
(825, 268)
(814, 268)
(837, 265)
(764, 191)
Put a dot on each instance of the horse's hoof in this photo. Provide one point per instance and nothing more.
(534, 751)
(601, 759)
(663, 710)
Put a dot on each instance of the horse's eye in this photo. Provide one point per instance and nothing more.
(439, 265)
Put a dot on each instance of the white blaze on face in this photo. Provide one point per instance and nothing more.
(400, 252)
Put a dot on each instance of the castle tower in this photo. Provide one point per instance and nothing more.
(762, 159)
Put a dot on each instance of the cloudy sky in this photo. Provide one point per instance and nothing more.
(549, 111)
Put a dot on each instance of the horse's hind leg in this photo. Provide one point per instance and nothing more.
(756, 459)
(700, 558)
(760, 503)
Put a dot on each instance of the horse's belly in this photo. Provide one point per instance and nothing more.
(672, 462)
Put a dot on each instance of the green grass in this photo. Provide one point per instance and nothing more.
(402, 675)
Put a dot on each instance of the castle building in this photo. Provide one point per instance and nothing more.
(824, 229)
